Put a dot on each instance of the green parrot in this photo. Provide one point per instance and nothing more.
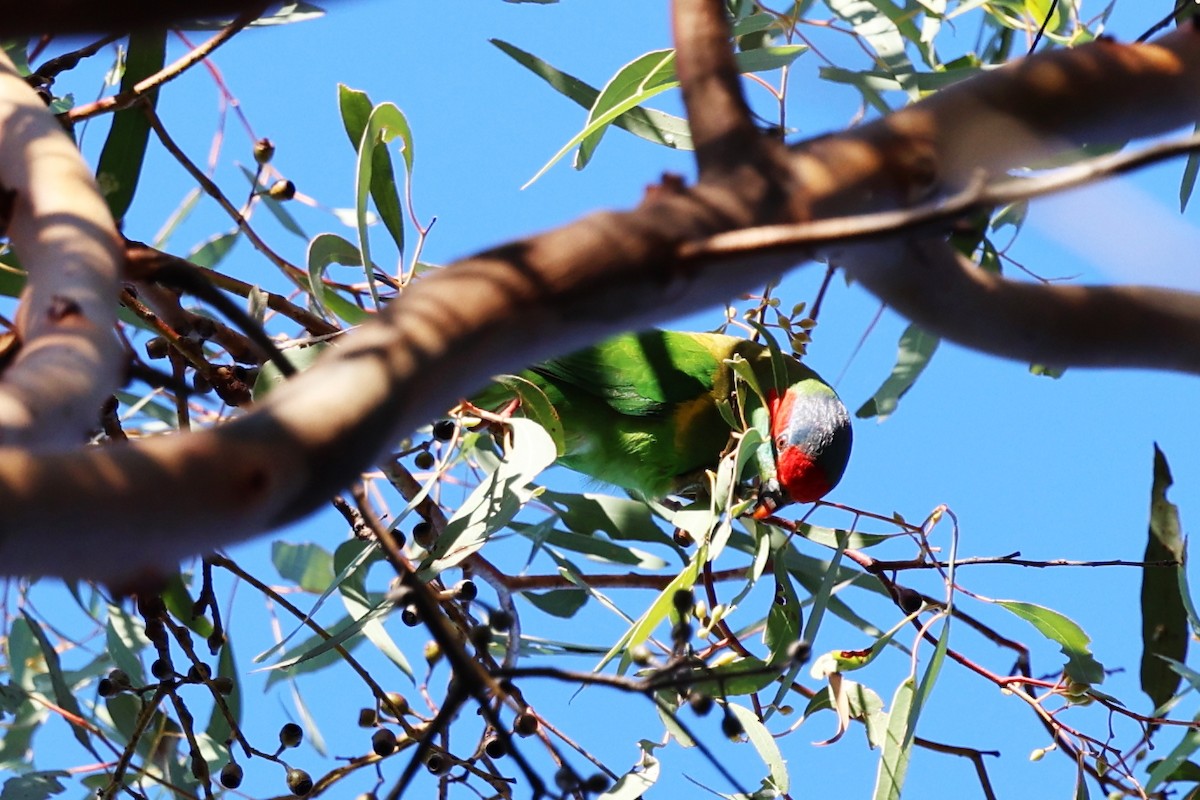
(641, 411)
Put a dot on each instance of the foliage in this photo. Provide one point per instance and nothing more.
(734, 604)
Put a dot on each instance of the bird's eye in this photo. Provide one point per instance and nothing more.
(780, 442)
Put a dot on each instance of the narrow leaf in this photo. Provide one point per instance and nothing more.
(916, 348)
(647, 123)
(765, 744)
(124, 151)
(1164, 617)
(1080, 666)
(356, 112)
(897, 747)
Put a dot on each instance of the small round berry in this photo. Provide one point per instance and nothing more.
(437, 763)
(700, 703)
(566, 779)
(424, 460)
(596, 784)
(731, 726)
(466, 590)
(410, 617)
(443, 430)
(526, 724)
(367, 718)
(500, 620)
(199, 672)
(383, 742)
(223, 684)
(291, 735)
(494, 747)
(282, 190)
(481, 637)
(396, 704)
(799, 652)
(157, 348)
(299, 782)
(106, 688)
(264, 151)
(423, 534)
(684, 601)
(161, 669)
(120, 678)
(231, 775)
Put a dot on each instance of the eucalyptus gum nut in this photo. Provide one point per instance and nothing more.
(231, 775)
(291, 735)
(299, 782)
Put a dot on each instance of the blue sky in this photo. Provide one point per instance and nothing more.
(1052, 468)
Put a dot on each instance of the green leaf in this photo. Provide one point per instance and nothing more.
(537, 407)
(218, 728)
(289, 13)
(618, 517)
(270, 376)
(662, 606)
(740, 676)
(635, 83)
(1062, 630)
(34, 785)
(916, 348)
(1178, 755)
(316, 652)
(386, 123)
(592, 545)
(897, 744)
(885, 27)
(63, 695)
(647, 123)
(496, 500)
(558, 602)
(326, 249)
(1164, 617)
(309, 566)
(124, 151)
(126, 638)
(213, 250)
(276, 207)
(351, 561)
(784, 617)
(765, 744)
(864, 705)
(635, 783)
(1187, 182)
(356, 109)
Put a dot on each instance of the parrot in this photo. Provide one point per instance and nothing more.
(641, 411)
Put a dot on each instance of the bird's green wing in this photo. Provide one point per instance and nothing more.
(643, 374)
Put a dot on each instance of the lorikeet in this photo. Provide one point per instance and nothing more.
(640, 411)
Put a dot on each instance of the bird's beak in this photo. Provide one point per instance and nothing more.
(770, 498)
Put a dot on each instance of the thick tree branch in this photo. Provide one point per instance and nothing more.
(87, 16)
(62, 231)
(104, 513)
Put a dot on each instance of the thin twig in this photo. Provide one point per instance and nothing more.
(170, 72)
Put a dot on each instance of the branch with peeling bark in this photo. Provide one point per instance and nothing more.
(125, 510)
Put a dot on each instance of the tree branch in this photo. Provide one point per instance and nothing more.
(102, 513)
(70, 360)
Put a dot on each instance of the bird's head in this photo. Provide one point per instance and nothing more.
(810, 437)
